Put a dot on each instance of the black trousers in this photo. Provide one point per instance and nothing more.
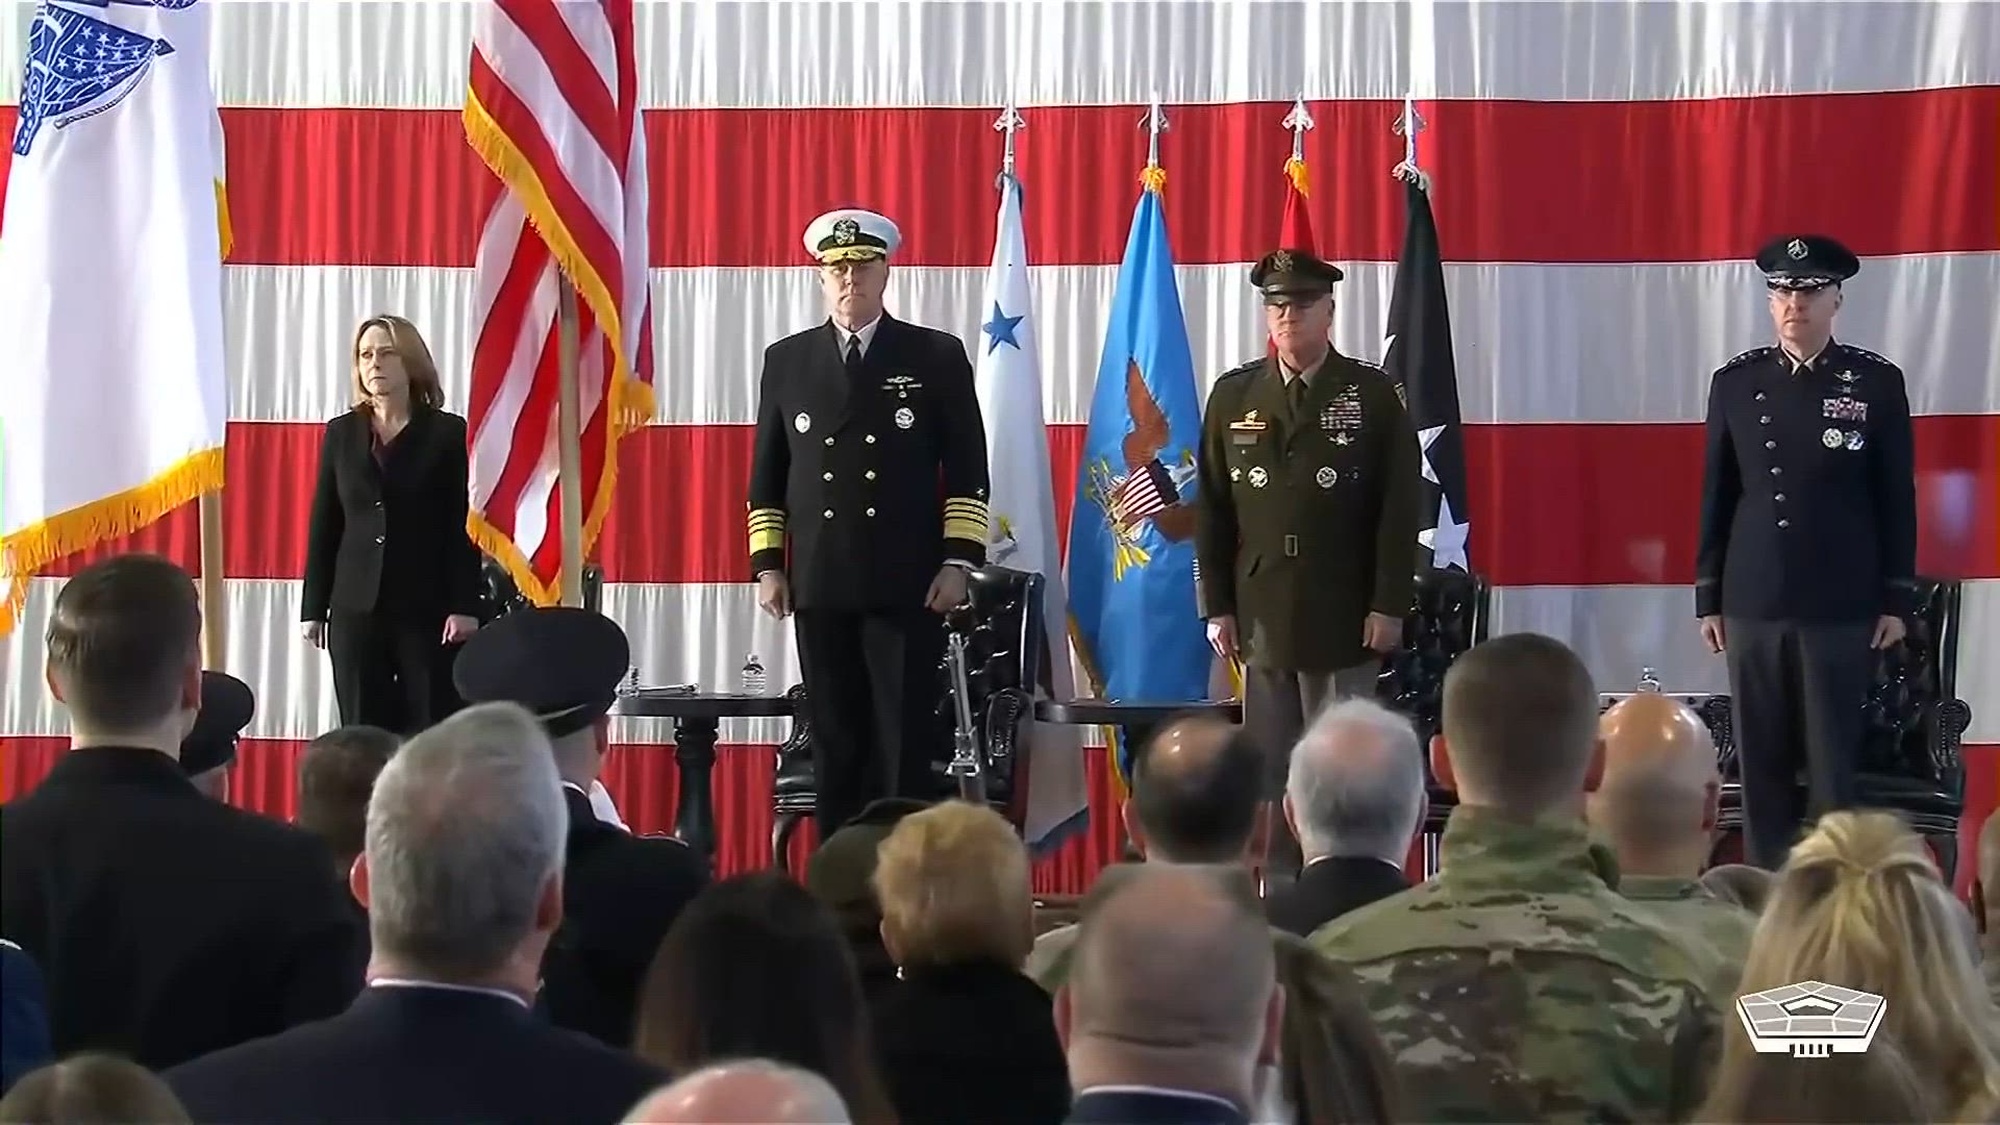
(873, 690)
(1797, 693)
(390, 673)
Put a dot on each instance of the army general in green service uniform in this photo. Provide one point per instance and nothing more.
(1306, 541)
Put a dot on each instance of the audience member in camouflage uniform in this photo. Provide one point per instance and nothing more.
(1517, 985)
(1656, 807)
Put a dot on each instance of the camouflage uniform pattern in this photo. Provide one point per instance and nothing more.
(1517, 985)
(1689, 910)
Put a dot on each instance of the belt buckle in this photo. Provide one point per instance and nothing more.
(1291, 546)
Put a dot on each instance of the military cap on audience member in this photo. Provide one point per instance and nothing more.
(562, 663)
(1806, 261)
(842, 868)
(1285, 274)
(851, 235)
(227, 706)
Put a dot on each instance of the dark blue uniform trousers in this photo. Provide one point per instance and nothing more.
(1797, 693)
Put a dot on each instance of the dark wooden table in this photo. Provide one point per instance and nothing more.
(1138, 720)
(697, 720)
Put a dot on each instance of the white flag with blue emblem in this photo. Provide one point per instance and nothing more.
(1023, 506)
(114, 401)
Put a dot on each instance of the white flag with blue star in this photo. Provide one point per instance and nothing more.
(1023, 506)
(115, 397)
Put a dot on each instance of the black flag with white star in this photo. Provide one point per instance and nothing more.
(1417, 355)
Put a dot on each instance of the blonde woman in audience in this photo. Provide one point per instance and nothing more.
(92, 1089)
(1860, 904)
(1879, 1087)
(964, 1035)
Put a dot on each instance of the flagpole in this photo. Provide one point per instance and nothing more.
(1408, 124)
(214, 607)
(1299, 120)
(569, 443)
(1155, 123)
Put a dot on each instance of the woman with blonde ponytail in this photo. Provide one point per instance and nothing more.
(1860, 904)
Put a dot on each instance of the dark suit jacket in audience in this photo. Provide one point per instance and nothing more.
(620, 894)
(971, 1043)
(1330, 887)
(24, 1016)
(1128, 1105)
(168, 924)
(422, 1054)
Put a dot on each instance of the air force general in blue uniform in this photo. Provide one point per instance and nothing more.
(1807, 563)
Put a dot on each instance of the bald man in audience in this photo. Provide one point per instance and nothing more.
(1197, 798)
(1173, 1004)
(749, 1092)
(1517, 985)
(1656, 807)
(1986, 901)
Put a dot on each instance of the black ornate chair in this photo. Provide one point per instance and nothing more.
(503, 597)
(1910, 763)
(1448, 615)
(1002, 626)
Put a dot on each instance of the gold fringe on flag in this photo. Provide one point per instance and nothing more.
(26, 552)
(1296, 169)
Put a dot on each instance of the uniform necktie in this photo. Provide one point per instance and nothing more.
(853, 355)
(1296, 392)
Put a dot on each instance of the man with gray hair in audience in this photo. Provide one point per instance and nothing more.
(462, 877)
(745, 1092)
(1354, 798)
(1173, 1004)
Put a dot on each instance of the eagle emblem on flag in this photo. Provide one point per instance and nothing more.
(80, 65)
(1148, 491)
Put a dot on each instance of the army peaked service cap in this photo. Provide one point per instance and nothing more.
(1806, 262)
(851, 235)
(561, 663)
(1286, 274)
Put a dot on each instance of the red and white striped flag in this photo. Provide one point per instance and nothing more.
(552, 108)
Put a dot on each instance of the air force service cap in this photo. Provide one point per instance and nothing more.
(1287, 275)
(1806, 262)
(561, 663)
(851, 235)
(227, 706)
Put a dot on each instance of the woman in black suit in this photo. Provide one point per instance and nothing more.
(392, 580)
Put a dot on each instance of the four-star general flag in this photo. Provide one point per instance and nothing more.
(1417, 355)
(1023, 507)
(110, 283)
(1295, 226)
(553, 111)
(1131, 539)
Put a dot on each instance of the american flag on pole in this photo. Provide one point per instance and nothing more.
(552, 109)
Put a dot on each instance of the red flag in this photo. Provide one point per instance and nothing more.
(1295, 229)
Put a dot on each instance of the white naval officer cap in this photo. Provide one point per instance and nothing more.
(851, 235)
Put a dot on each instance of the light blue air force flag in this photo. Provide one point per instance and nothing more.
(1131, 539)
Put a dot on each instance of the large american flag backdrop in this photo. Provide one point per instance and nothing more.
(1600, 169)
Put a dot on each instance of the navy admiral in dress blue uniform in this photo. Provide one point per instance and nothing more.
(870, 466)
(227, 706)
(1807, 561)
(620, 892)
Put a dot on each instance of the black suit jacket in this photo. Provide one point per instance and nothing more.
(874, 480)
(1127, 1106)
(970, 1043)
(390, 537)
(418, 1054)
(1330, 887)
(620, 893)
(168, 924)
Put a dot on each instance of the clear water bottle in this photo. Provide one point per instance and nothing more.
(753, 676)
(1648, 681)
